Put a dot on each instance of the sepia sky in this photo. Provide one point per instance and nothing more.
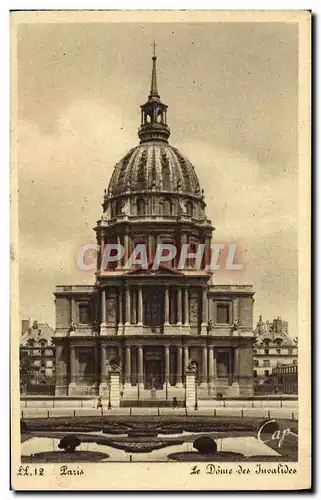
(231, 89)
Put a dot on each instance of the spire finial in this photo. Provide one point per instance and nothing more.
(153, 87)
(153, 126)
(154, 45)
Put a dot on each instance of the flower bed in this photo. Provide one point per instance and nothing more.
(64, 457)
(139, 447)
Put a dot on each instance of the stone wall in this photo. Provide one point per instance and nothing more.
(246, 312)
(190, 390)
(246, 370)
(63, 316)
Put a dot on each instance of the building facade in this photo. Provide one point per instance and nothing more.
(153, 322)
(285, 378)
(37, 357)
(273, 347)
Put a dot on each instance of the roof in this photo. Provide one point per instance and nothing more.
(268, 331)
(37, 332)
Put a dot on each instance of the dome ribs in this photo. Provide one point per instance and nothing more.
(154, 175)
(139, 177)
(166, 171)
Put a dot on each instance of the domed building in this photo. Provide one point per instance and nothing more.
(152, 321)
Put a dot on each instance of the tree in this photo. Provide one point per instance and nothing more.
(25, 370)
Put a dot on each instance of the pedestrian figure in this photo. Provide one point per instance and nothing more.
(99, 403)
(175, 402)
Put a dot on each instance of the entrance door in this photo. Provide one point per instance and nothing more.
(153, 368)
(153, 375)
(86, 365)
(153, 309)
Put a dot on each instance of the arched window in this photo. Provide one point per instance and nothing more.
(165, 172)
(118, 207)
(140, 205)
(159, 116)
(167, 206)
(189, 208)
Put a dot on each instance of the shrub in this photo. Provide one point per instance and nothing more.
(205, 445)
(219, 395)
(69, 443)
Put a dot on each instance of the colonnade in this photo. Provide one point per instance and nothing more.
(132, 302)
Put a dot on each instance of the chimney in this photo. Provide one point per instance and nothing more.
(25, 324)
(277, 325)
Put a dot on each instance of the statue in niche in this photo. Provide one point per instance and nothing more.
(72, 327)
(111, 310)
(193, 310)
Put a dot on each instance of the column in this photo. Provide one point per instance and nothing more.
(204, 364)
(120, 306)
(140, 306)
(102, 252)
(73, 311)
(119, 262)
(184, 242)
(103, 358)
(179, 366)
(179, 305)
(214, 366)
(205, 307)
(126, 247)
(128, 305)
(140, 364)
(134, 306)
(128, 366)
(166, 355)
(236, 363)
(166, 306)
(103, 306)
(186, 312)
(150, 248)
(236, 311)
(72, 355)
(120, 358)
(230, 367)
(97, 364)
(210, 365)
(186, 358)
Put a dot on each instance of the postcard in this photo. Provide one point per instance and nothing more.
(160, 237)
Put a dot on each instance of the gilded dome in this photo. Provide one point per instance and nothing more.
(154, 166)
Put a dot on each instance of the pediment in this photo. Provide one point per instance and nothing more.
(161, 271)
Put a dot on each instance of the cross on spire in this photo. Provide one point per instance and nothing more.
(153, 88)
